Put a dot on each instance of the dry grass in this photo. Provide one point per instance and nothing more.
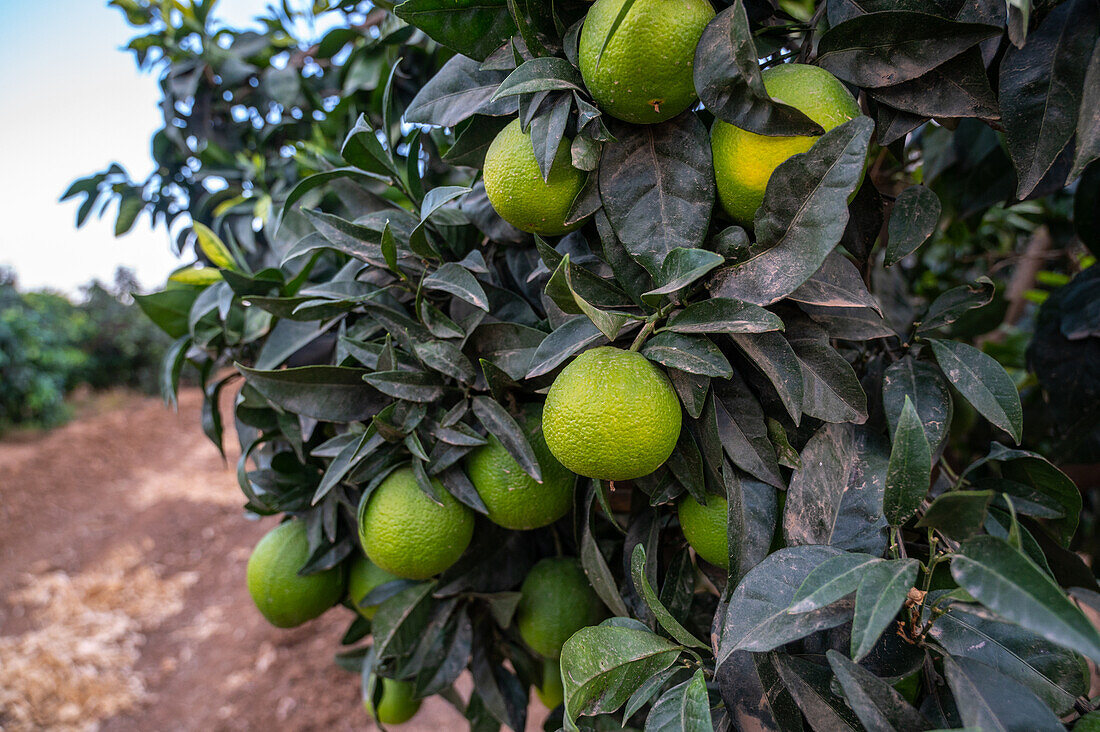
(76, 667)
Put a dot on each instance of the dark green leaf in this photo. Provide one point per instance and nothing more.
(754, 694)
(832, 392)
(1041, 88)
(837, 284)
(602, 665)
(727, 78)
(913, 219)
(953, 304)
(1057, 675)
(811, 687)
(169, 309)
(475, 28)
(641, 584)
(460, 90)
(1008, 583)
(569, 338)
(910, 470)
(832, 580)
(752, 510)
(413, 386)
(723, 315)
(886, 48)
(399, 621)
(743, 431)
(1055, 489)
(1088, 119)
(683, 708)
(657, 187)
(882, 592)
(458, 281)
(329, 393)
(757, 618)
(171, 366)
(989, 700)
(958, 514)
(802, 218)
(546, 73)
(693, 353)
(683, 267)
(983, 382)
(836, 497)
(877, 704)
(504, 427)
(774, 357)
(364, 150)
(924, 385)
(956, 88)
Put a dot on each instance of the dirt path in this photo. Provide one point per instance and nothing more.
(122, 596)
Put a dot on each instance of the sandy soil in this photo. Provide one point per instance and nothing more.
(122, 596)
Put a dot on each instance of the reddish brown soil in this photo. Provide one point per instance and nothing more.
(122, 596)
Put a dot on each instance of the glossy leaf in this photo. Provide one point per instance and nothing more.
(989, 700)
(1041, 88)
(983, 382)
(1056, 675)
(882, 592)
(475, 28)
(757, 617)
(329, 393)
(504, 427)
(836, 497)
(958, 514)
(641, 584)
(693, 353)
(460, 90)
(602, 665)
(924, 385)
(909, 473)
(877, 704)
(906, 45)
(657, 187)
(723, 315)
(956, 302)
(683, 708)
(1006, 582)
(913, 220)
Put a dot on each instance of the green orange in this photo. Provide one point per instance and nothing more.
(363, 577)
(556, 601)
(517, 190)
(744, 161)
(645, 72)
(407, 534)
(398, 703)
(283, 596)
(514, 499)
(705, 528)
(550, 692)
(611, 414)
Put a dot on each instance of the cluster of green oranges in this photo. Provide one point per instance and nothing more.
(610, 415)
(643, 75)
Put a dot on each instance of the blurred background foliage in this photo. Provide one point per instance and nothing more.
(50, 344)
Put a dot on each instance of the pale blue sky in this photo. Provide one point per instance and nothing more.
(70, 103)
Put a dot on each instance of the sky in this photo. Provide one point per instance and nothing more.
(72, 103)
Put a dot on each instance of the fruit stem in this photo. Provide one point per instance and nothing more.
(643, 334)
(650, 324)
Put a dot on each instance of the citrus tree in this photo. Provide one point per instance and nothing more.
(597, 348)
